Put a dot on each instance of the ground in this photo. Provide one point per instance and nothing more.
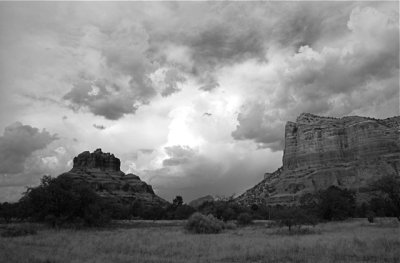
(351, 241)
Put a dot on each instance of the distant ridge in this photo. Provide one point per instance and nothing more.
(199, 201)
(348, 152)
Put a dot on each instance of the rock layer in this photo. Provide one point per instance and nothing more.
(102, 172)
(348, 152)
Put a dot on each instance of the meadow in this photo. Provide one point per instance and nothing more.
(354, 240)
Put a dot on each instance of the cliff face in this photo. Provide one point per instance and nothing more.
(102, 172)
(349, 152)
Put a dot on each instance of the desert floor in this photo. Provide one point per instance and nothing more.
(355, 240)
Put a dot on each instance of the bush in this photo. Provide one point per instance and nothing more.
(244, 219)
(370, 216)
(229, 225)
(201, 224)
(294, 216)
(18, 231)
(223, 209)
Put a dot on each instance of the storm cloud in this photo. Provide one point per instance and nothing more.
(18, 143)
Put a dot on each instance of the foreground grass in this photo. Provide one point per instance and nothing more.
(351, 241)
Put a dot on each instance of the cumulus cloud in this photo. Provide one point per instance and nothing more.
(264, 128)
(100, 100)
(151, 57)
(18, 143)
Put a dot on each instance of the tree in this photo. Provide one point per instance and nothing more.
(178, 201)
(7, 211)
(183, 212)
(179, 210)
(61, 201)
(224, 210)
(244, 219)
(294, 216)
(388, 188)
(335, 203)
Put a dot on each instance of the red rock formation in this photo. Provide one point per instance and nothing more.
(97, 159)
(102, 172)
(349, 152)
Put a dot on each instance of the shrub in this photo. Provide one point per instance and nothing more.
(229, 225)
(201, 224)
(223, 209)
(244, 219)
(370, 216)
(17, 231)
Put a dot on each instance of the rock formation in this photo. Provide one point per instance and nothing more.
(196, 203)
(348, 152)
(102, 172)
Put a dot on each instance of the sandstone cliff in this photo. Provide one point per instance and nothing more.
(348, 152)
(102, 172)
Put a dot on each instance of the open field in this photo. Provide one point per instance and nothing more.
(350, 241)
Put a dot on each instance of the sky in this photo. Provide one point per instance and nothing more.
(192, 97)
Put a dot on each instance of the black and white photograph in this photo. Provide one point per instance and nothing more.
(199, 131)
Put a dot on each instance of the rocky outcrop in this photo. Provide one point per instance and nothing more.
(97, 160)
(102, 172)
(348, 152)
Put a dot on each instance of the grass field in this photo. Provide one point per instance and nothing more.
(350, 241)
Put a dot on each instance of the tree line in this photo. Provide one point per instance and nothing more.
(62, 202)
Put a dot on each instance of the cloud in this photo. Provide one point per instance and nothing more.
(103, 62)
(51, 160)
(146, 151)
(207, 86)
(99, 126)
(113, 79)
(101, 99)
(166, 81)
(195, 172)
(178, 155)
(335, 80)
(266, 129)
(18, 143)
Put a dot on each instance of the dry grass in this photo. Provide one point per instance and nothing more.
(351, 241)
